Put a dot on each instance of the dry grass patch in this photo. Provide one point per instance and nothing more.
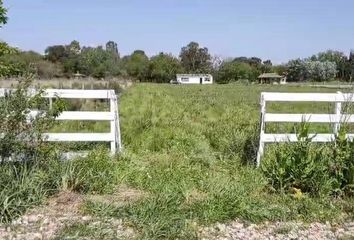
(194, 196)
(121, 196)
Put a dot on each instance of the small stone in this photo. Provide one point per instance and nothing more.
(86, 218)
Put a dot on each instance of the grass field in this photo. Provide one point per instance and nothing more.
(189, 150)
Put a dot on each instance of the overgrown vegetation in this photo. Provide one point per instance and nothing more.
(23, 153)
(186, 149)
(189, 158)
(317, 169)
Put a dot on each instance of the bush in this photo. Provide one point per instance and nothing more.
(22, 133)
(24, 166)
(317, 169)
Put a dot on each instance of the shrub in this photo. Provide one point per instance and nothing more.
(22, 133)
(341, 166)
(318, 169)
(24, 175)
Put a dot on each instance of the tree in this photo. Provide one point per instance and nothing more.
(56, 53)
(21, 62)
(266, 67)
(339, 58)
(7, 69)
(71, 61)
(195, 59)
(73, 48)
(281, 69)
(296, 70)
(351, 65)
(304, 70)
(3, 14)
(137, 65)
(48, 70)
(234, 71)
(321, 71)
(97, 62)
(163, 67)
(112, 47)
(253, 61)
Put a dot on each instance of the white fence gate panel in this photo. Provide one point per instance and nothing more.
(113, 116)
(336, 118)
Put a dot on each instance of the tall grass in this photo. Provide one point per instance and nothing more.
(186, 148)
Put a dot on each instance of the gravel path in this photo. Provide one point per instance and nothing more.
(46, 222)
(279, 230)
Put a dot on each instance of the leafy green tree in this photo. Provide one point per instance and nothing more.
(48, 70)
(7, 69)
(3, 14)
(266, 66)
(281, 69)
(253, 61)
(137, 65)
(21, 62)
(112, 47)
(339, 58)
(73, 48)
(71, 61)
(164, 67)
(234, 71)
(97, 62)
(56, 53)
(321, 71)
(296, 70)
(351, 66)
(91, 61)
(304, 70)
(195, 59)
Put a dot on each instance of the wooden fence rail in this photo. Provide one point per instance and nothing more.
(336, 118)
(112, 116)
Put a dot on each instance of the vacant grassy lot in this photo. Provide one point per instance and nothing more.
(189, 148)
(188, 151)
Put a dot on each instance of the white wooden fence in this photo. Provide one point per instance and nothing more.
(113, 116)
(336, 118)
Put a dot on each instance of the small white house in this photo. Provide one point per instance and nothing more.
(194, 79)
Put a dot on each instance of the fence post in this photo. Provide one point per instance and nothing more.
(338, 113)
(262, 128)
(113, 124)
(116, 115)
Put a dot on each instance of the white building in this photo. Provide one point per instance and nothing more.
(193, 79)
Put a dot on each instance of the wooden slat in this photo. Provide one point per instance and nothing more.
(83, 115)
(69, 93)
(271, 138)
(311, 118)
(75, 94)
(79, 137)
(307, 97)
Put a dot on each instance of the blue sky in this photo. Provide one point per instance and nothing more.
(276, 29)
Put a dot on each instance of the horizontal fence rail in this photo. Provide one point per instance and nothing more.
(335, 118)
(112, 116)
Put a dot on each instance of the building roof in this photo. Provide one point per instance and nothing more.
(270, 75)
(194, 75)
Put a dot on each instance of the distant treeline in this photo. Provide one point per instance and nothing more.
(105, 61)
